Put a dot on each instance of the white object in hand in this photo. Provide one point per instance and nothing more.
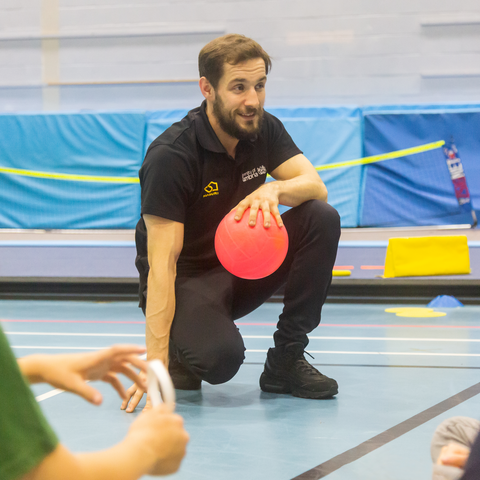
(160, 386)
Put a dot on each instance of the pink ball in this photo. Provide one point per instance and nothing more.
(250, 252)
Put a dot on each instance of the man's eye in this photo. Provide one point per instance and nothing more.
(260, 86)
(238, 88)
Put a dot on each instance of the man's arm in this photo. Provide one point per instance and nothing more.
(165, 242)
(296, 182)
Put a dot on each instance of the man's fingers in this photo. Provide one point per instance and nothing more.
(278, 217)
(148, 404)
(130, 392)
(252, 219)
(135, 400)
(239, 212)
(266, 218)
(268, 206)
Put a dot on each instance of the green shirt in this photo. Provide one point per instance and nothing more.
(25, 436)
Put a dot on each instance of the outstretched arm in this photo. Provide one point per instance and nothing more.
(165, 242)
(296, 182)
(71, 371)
(155, 445)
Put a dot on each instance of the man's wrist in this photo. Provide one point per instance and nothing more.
(157, 347)
(161, 355)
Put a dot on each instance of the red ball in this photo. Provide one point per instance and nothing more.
(250, 252)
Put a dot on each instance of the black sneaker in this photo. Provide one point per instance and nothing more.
(182, 377)
(287, 371)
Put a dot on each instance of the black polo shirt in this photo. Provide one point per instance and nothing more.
(187, 176)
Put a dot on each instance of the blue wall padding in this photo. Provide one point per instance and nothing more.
(325, 135)
(158, 121)
(439, 108)
(330, 135)
(103, 144)
(417, 190)
(408, 191)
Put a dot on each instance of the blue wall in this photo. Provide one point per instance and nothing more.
(100, 144)
(412, 190)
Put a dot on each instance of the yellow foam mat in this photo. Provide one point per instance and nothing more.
(415, 312)
(341, 273)
(408, 309)
(421, 256)
(420, 314)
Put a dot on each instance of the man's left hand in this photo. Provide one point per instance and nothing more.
(264, 198)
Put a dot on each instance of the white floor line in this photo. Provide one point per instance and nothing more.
(384, 353)
(79, 334)
(33, 347)
(386, 339)
(141, 335)
(49, 394)
(59, 348)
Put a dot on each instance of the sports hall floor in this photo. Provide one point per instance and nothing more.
(398, 376)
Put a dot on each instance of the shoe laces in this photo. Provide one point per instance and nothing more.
(311, 356)
(301, 363)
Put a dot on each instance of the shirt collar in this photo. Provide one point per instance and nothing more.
(205, 134)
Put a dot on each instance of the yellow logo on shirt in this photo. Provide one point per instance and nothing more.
(211, 189)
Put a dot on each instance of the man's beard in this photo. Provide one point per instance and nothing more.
(228, 121)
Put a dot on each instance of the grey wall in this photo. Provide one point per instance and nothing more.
(98, 54)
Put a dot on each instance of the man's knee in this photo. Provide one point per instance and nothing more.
(319, 219)
(219, 363)
(324, 215)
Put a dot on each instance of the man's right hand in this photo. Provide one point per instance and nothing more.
(134, 395)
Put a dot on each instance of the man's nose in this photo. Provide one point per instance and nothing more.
(251, 98)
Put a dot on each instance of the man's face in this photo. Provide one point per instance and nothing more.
(239, 99)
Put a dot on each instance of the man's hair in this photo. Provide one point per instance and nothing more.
(233, 49)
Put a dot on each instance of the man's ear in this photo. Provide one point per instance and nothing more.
(207, 89)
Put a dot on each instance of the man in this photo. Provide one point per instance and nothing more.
(30, 450)
(216, 159)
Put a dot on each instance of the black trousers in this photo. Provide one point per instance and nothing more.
(203, 332)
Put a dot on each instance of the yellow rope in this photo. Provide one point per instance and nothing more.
(350, 163)
(384, 156)
(66, 176)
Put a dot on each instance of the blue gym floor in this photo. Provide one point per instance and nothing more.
(398, 378)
